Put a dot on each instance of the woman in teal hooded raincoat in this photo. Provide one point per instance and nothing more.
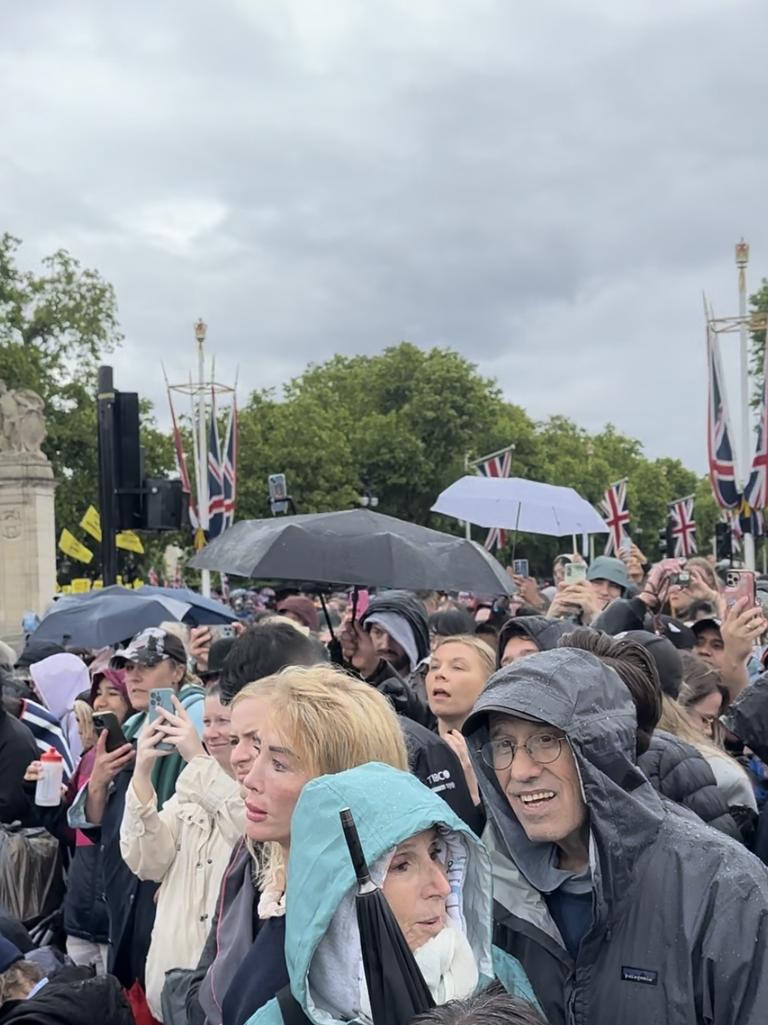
(434, 872)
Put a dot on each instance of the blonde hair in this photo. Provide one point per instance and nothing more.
(18, 980)
(332, 722)
(84, 718)
(674, 719)
(485, 651)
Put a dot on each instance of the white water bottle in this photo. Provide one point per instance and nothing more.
(48, 789)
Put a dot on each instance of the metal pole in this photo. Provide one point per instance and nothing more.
(106, 437)
(202, 445)
(742, 258)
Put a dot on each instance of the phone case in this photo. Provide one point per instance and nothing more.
(739, 583)
(161, 698)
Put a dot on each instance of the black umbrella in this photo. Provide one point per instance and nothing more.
(396, 988)
(354, 547)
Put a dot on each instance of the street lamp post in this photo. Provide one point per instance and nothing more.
(742, 259)
(202, 447)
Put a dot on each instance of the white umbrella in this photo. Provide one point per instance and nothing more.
(521, 505)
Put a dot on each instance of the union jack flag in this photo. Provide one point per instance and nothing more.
(181, 462)
(756, 491)
(229, 467)
(683, 527)
(215, 478)
(498, 465)
(152, 576)
(614, 506)
(722, 469)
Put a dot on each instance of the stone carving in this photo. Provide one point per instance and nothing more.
(10, 524)
(22, 423)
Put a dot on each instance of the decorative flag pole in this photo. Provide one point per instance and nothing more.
(208, 458)
(742, 324)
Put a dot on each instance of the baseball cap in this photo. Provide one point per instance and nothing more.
(705, 624)
(9, 954)
(606, 568)
(149, 648)
(675, 630)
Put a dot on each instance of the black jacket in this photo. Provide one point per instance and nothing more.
(17, 750)
(74, 996)
(679, 924)
(130, 902)
(683, 775)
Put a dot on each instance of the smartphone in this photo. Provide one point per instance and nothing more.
(626, 544)
(739, 583)
(224, 630)
(520, 567)
(161, 698)
(108, 721)
(575, 571)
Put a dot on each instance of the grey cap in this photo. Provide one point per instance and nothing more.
(606, 568)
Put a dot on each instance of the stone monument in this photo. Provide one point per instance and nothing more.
(27, 526)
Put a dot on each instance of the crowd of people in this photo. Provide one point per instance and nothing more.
(561, 795)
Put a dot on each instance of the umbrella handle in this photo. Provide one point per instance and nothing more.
(355, 847)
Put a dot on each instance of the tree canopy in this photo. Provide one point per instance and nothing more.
(400, 424)
(56, 327)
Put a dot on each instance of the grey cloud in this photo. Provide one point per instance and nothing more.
(546, 187)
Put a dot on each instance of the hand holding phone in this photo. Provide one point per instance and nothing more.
(161, 698)
(108, 722)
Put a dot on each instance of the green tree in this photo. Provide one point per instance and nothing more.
(401, 423)
(56, 327)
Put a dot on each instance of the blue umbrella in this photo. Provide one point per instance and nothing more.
(202, 611)
(104, 617)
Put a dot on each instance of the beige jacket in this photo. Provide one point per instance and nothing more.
(185, 847)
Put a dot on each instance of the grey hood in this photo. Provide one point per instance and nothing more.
(576, 692)
(680, 912)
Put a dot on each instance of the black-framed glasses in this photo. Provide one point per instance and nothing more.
(542, 748)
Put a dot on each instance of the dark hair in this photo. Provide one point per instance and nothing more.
(14, 691)
(487, 629)
(85, 655)
(492, 1006)
(263, 650)
(448, 622)
(701, 608)
(636, 669)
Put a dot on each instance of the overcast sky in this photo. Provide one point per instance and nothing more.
(545, 186)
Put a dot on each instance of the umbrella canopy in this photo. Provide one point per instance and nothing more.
(522, 505)
(202, 611)
(100, 618)
(355, 548)
(396, 988)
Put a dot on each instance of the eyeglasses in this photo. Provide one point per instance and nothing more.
(541, 748)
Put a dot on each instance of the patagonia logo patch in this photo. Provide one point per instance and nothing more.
(644, 975)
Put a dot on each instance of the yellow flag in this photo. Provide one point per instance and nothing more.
(91, 522)
(129, 541)
(69, 544)
(199, 539)
(81, 585)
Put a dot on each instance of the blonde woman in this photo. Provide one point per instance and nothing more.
(702, 699)
(459, 669)
(286, 730)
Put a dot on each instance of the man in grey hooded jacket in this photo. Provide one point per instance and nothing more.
(618, 909)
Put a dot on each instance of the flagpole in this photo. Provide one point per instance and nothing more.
(202, 444)
(742, 258)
